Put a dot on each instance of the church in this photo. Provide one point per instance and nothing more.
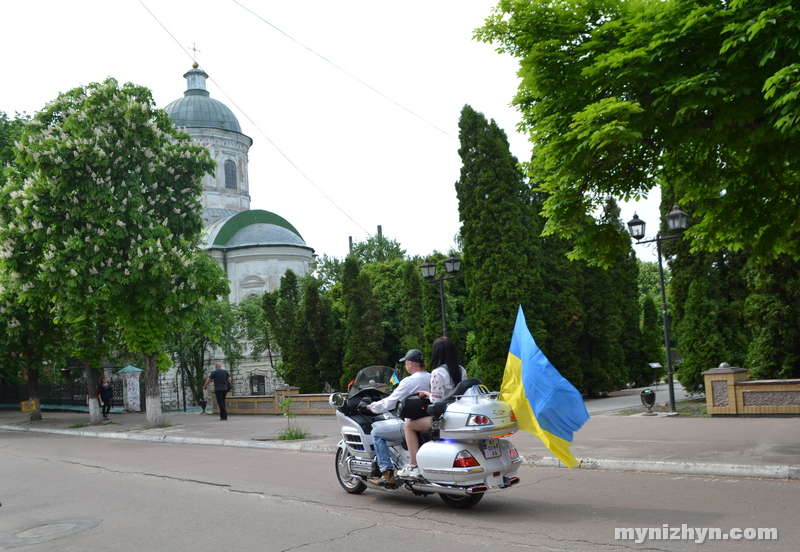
(253, 246)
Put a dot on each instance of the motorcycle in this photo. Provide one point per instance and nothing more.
(463, 456)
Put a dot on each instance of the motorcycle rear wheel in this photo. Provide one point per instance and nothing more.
(349, 482)
(461, 502)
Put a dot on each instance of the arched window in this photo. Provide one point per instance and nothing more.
(230, 174)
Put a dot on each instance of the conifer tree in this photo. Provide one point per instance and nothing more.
(363, 335)
(701, 343)
(771, 312)
(500, 237)
(562, 310)
(652, 335)
(411, 317)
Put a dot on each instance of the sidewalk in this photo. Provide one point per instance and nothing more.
(736, 447)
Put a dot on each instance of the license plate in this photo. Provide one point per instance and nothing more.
(491, 448)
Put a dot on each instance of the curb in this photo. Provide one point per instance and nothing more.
(766, 471)
(276, 445)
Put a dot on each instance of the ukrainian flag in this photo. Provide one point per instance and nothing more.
(545, 403)
(394, 380)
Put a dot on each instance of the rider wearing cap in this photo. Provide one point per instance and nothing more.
(418, 380)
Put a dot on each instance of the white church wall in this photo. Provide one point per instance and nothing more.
(225, 146)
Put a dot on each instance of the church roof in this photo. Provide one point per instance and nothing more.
(252, 228)
(198, 109)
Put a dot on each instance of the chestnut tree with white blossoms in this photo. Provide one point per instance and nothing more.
(104, 203)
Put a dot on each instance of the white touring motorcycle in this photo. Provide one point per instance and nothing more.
(464, 455)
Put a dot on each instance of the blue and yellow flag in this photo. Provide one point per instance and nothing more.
(545, 403)
(394, 380)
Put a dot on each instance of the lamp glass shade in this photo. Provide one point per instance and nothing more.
(428, 269)
(677, 219)
(636, 227)
(452, 265)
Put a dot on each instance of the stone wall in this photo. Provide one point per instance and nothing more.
(729, 392)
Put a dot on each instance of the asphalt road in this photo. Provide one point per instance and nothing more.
(629, 398)
(71, 493)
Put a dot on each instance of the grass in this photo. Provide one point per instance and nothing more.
(292, 433)
(79, 424)
(692, 408)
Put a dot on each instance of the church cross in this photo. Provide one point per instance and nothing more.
(194, 50)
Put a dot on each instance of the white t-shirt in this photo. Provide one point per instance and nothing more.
(442, 384)
(413, 384)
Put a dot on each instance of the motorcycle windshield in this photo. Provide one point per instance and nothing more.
(374, 377)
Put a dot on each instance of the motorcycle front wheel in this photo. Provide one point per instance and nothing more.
(461, 502)
(348, 481)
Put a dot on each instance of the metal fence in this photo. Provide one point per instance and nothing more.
(62, 394)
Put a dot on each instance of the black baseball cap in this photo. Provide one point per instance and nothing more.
(414, 355)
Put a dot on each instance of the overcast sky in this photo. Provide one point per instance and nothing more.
(353, 115)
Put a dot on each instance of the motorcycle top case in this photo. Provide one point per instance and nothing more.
(477, 415)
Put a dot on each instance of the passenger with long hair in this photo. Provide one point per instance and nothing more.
(444, 378)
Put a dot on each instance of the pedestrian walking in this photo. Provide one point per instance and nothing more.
(222, 384)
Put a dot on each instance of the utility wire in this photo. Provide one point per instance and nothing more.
(274, 145)
(352, 76)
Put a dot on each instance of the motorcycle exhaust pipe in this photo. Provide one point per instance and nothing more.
(429, 487)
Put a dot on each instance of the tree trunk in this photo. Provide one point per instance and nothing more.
(33, 393)
(155, 418)
(95, 416)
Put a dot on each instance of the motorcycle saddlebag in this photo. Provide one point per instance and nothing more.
(415, 407)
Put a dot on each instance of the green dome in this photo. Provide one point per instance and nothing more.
(197, 109)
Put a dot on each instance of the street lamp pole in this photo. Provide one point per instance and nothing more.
(677, 221)
(452, 266)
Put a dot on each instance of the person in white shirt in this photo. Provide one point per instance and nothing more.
(382, 434)
(444, 378)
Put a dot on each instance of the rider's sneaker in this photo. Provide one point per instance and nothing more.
(409, 472)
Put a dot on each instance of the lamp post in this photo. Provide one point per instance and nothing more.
(677, 221)
(452, 266)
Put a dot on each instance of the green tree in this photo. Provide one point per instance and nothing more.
(619, 96)
(321, 352)
(701, 343)
(255, 329)
(10, 132)
(329, 271)
(217, 326)
(499, 234)
(363, 333)
(652, 334)
(410, 315)
(561, 309)
(377, 249)
(281, 313)
(109, 190)
(30, 339)
(649, 283)
(301, 319)
(771, 311)
(600, 342)
(386, 278)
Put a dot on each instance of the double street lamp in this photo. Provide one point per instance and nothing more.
(677, 221)
(452, 266)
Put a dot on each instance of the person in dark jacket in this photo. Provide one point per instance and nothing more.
(105, 394)
(222, 384)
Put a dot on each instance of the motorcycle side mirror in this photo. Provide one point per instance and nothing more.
(337, 400)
